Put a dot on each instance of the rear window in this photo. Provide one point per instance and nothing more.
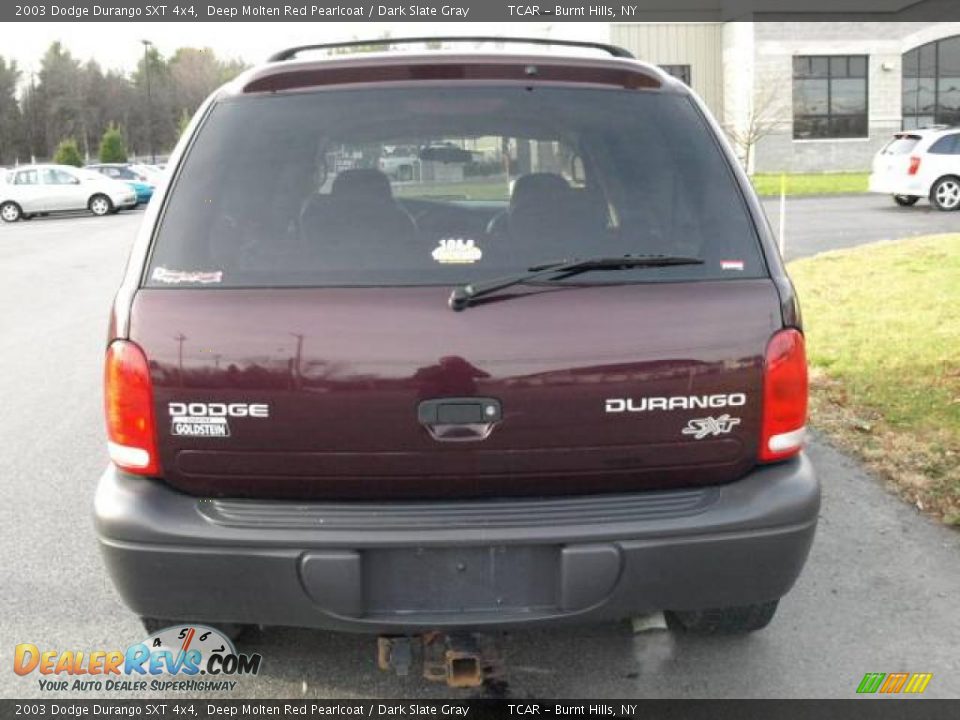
(446, 185)
(901, 144)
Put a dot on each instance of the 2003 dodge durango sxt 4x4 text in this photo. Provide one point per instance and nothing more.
(552, 372)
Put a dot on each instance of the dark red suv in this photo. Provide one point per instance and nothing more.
(421, 340)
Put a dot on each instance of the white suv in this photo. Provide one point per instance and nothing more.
(920, 163)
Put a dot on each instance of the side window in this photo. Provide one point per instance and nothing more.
(947, 145)
(64, 178)
(26, 177)
(125, 174)
(57, 177)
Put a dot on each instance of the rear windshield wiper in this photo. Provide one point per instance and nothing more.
(463, 295)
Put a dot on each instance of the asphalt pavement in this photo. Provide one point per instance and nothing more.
(879, 593)
(817, 224)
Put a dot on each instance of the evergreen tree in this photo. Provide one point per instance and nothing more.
(112, 147)
(68, 153)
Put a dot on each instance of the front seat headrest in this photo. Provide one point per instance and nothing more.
(536, 188)
(363, 184)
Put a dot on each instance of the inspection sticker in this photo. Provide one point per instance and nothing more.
(731, 265)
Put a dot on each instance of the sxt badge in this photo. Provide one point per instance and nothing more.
(210, 419)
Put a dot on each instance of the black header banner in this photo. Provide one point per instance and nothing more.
(482, 709)
(477, 10)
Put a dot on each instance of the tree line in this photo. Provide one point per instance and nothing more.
(73, 103)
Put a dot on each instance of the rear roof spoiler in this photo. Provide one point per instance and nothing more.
(387, 43)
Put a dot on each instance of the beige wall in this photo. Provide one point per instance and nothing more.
(699, 45)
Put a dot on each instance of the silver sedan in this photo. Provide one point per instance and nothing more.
(40, 189)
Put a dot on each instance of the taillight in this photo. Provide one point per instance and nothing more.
(784, 396)
(128, 403)
(914, 165)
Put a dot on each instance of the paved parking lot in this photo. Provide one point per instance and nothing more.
(879, 593)
(816, 224)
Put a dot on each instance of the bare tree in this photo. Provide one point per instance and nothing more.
(761, 120)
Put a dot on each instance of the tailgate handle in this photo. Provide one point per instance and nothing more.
(459, 419)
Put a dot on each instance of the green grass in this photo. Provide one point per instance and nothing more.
(883, 331)
(811, 184)
(467, 190)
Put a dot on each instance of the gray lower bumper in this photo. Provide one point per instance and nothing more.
(407, 566)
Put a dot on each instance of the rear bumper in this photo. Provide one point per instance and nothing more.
(409, 566)
(902, 185)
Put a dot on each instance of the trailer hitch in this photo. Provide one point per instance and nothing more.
(461, 660)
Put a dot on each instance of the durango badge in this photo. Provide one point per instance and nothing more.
(676, 402)
(210, 419)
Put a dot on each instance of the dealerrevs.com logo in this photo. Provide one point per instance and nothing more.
(187, 658)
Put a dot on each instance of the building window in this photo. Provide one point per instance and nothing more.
(931, 84)
(680, 72)
(829, 96)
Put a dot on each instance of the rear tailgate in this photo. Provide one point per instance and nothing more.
(600, 388)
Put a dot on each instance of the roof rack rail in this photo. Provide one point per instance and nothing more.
(291, 53)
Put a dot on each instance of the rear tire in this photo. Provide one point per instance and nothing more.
(945, 194)
(100, 205)
(230, 630)
(10, 212)
(723, 621)
(906, 200)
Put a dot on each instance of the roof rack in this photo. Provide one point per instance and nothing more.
(291, 53)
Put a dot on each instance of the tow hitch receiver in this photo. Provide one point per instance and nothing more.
(395, 652)
(461, 660)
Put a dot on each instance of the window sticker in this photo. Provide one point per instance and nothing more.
(177, 277)
(457, 251)
(731, 265)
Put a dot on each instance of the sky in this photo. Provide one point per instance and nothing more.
(116, 45)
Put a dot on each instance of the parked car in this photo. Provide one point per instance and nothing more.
(920, 164)
(577, 396)
(137, 177)
(42, 189)
(400, 165)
